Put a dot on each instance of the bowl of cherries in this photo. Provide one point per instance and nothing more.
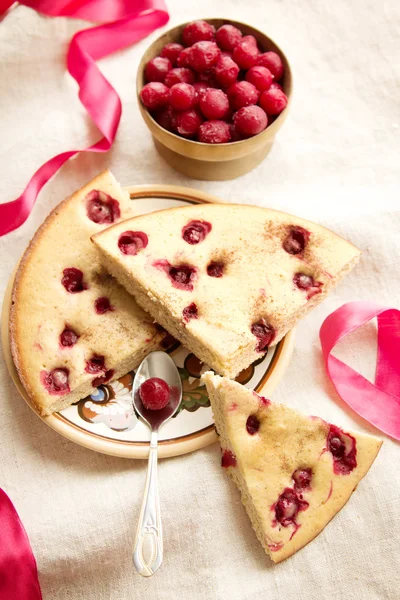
(214, 93)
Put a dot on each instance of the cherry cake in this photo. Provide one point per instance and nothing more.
(294, 472)
(72, 326)
(228, 281)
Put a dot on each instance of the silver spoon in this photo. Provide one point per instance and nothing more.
(148, 549)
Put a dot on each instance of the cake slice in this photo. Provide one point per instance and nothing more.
(72, 326)
(226, 280)
(294, 472)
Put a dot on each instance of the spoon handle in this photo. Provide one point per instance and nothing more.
(148, 549)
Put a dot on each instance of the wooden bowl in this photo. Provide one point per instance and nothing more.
(213, 161)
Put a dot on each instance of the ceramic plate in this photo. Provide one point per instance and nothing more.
(106, 422)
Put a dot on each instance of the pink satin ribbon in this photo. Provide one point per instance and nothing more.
(379, 402)
(18, 572)
(124, 23)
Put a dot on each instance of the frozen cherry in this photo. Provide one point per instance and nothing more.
(302, 479)
(190, 312)
(265, 334)
(208, 78)
(195, 231)
(204, 55)
(102, 208)
(182, 96)
(214, 104)
(273, 62)
(228, 459)
(188, 122)
(227, 37)
(249, 39)
(179, 75)
(68, 337)
(226, 71)
(157, 69)
(172, 52)
(130, 242)
(276, 86)
(214, 132)
(250, 120)
(260, 77)
(296, 240)
(166, 117)
(200, 87)
(154, 95)
(215, 269)
(273, 101)
(342, 446)
(242, 93)
(235, 135)
(154, 393)
(197, 31)
(252, 425)
(95, 364)
(56, 381)
(103, 378)
(183, 59)
(72, 280)
(102, 305)
(245, 53)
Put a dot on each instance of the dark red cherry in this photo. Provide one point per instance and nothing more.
(56, 381)
(252, 424)
(68, 337)
(265, 334)
(130, 242)
(95, 365)
(72, 280)
(103, 378)
(296, 240)
(302, 479)
(182, 276)
(342, 446)
(190, 312)
(101, 208)
(228, 459)
(195, 231)
(215, 269)
(102, 305)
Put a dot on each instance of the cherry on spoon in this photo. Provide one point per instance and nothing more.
(160, 377)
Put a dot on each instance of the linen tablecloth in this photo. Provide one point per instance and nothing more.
(336, 161)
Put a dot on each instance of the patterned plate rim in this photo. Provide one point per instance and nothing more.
(130, 449)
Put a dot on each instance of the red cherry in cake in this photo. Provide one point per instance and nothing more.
(273, 62)
(197, 31)
(182, 276)
(302, 479)
(342, 446)
(204, 55)
(307, 283)
(288, 506)
(195, 231)
(56, 381)
(72, 280)
(130, 242)
(101, 208)
(157, 69)
(103, 378)
(296, 240)
(252, 425)
(227, 37)
(228, 459)
(172, 52)
(265, 334)
(178, 75)
(154, 393)
(102, 305)
(215, 269)
(190, 312)
(95, 365)
(68, 337)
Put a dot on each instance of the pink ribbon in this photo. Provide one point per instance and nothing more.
(124, 22)
(18, 572)
(379, 402)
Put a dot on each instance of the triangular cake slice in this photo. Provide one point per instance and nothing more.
(226, 280)
(72, 326)
(294, 472)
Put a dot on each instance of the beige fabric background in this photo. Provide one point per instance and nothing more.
(336, 161)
